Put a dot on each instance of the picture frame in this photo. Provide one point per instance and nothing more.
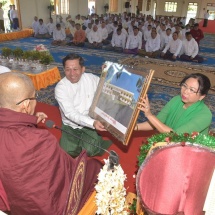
(115, 103)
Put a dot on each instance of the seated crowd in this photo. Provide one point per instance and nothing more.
(167, 37)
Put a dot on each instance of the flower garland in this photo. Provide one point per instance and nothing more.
(195, 137)
(110, 196)
(41, 48)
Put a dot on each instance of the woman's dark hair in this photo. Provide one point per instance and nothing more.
(73, 57)
(203, 80)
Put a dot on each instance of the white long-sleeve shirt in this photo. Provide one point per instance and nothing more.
(174, 46)
(153, 45)
(147, 34)
(165, 40)
(51, 27)
(104, 33)
(190, 48)
(75, 100)
(95, 36)
(118, 40)
(41, 29)
(34, 25)
(134, 42)
(59, 34)
(13, 14)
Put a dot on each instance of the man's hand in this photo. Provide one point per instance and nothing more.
(98, 126)
(41, 117)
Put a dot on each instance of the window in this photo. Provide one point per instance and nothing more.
(170, 6)
(62, 6)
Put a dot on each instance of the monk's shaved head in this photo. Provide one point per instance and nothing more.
(14, 87)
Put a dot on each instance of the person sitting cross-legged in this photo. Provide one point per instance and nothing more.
(190, 50)
(95, 39)
(117, 42)
(173, 48)
(59, 36)
(134, 42)
(42, 31)
(79, 36)
(152, 46)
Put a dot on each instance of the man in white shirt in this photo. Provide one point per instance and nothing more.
(94, 38)
(14, 17)
(152, 46)
(134, 42)
(117, 42)
(34, 25)
(71, 30)
(206, 16)
(51, 26)
(173, 48)
(59, 36)
(88, 30)
(2, 28)
(165, 38)
(147, 33)
(74, 94)
(42, 31)
(190, 50)
(185, 30)
(104, 33)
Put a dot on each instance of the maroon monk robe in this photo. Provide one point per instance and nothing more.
(35, 172)
(197, 35)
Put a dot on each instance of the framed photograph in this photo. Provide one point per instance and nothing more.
(115, 102)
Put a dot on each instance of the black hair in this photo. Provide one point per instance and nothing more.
(73, 57)
(203, 80)
(58, 25)
(40, 20)
(188, 33)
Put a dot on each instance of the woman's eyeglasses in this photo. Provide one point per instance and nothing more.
(189, 89)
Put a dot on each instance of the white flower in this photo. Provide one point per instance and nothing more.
(111, 193)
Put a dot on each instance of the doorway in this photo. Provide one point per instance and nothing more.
(191, 11)
(91, 6)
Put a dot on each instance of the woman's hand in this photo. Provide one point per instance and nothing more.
(144, 106)
(41, 117)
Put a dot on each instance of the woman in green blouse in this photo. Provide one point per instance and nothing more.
(184, 113)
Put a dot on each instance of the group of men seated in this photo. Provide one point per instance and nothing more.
(167, 37)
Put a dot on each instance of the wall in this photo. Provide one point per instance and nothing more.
(29, 9)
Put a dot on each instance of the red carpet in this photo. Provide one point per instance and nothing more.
(127, 154)
(210, 27)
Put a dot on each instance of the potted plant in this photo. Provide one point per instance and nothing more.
(6, 52)
(46, 58)
(18, 53)
(35, 55)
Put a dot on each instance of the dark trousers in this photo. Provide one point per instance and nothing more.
(15, 23)
(197, 58)
(168, 56)
(205, 24)
(2, 25)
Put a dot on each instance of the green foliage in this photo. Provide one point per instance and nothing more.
(27, 55)
(18, 53)
(46, 58)
(195, 137)
(35, 55)
(133, 206)
(6, 52)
